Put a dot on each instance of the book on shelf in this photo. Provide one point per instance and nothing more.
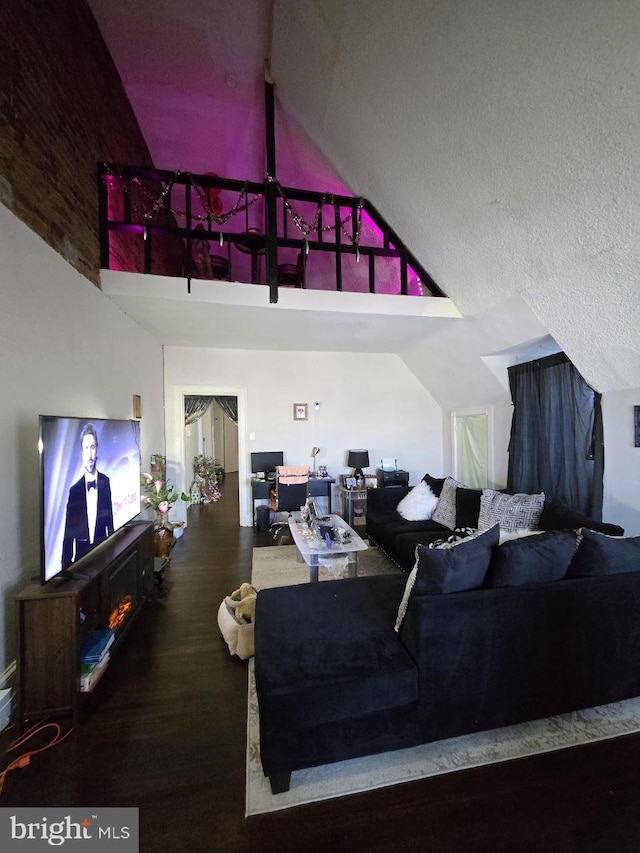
(96, 645)
(88, 680)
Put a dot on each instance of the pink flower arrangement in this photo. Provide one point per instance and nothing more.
(160, 495)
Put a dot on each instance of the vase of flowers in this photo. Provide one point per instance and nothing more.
(160, 495)
(206, 471)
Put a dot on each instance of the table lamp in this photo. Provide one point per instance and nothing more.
(358, 459)
(314, 453)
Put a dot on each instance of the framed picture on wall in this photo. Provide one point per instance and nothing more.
(300, 411)
(636, 424)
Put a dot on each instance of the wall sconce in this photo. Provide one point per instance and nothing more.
(137, 407)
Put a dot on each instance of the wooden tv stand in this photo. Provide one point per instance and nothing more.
(54, 620)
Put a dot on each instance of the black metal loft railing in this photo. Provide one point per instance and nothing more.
(208, 227)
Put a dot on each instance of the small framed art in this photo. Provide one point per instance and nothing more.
(636, 424)
(300, 411)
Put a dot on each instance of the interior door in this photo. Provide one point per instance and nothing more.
(471, 448)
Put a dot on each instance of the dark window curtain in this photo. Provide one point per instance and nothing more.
(556, 444)
(229, 406)
(194, 408)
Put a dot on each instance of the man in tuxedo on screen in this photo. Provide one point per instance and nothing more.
(89, 513)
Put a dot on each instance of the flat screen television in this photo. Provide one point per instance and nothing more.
(89, 486)
(267, 461)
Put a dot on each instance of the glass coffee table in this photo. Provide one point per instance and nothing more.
(315, 551)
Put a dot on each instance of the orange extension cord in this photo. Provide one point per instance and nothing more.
(24, 759)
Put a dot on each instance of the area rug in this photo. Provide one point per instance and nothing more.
(432, 759)
(276, 565)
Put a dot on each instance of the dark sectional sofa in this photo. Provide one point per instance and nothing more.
(481, 645)
(398, 538)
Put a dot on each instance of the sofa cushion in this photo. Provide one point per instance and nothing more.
(511, 512)
(385, 526)
(600, 554)
(405, 544)
(468, 507)
(453, 567)
(558, 516)
(419, 504)
(338, 657)
(536, 558)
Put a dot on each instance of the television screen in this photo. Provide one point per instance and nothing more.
(267, 461)
(90, 485)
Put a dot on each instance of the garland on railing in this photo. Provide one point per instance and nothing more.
(240, 205)
(158, 200)
(308, 227)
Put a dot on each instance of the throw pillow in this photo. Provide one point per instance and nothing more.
(508, 535)
(468, 507)
(418, 504)
(599, 554)
(558, 516)
(434, 483)
(532, 559)
(445, 512)
(452, 568)
(511, 512)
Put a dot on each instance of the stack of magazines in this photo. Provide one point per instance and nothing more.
(94, 657)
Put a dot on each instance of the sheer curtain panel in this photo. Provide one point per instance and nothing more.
(556, 444)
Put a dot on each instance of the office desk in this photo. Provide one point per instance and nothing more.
(319, 487)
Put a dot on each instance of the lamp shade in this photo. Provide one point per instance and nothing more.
(358, 458)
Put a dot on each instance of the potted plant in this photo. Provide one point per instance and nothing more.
(160, 495)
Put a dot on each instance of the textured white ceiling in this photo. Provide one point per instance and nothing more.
(498, 137)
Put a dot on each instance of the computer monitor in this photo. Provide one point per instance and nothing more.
(266, 461)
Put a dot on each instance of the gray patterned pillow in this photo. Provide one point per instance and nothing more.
(511, 512)
(445, 511)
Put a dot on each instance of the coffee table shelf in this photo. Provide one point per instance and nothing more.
(314, 550)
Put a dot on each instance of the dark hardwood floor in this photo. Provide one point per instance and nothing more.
(167, 733)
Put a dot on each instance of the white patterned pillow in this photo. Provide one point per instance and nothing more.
(445, 512)
(418, 504)
(511, 512)
(402, 610)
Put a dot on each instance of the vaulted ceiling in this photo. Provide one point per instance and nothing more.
(498, 137)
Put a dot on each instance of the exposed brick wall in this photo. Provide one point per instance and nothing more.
(63, 110)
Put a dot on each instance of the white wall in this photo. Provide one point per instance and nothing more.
(366, 400)
(621, 461)
(65, 349)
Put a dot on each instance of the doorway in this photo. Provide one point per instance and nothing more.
(181, 450)
(472, 447)
(213, 433)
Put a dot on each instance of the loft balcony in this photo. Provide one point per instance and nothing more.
(205, 227)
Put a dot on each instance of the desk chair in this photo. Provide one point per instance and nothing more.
(290, 493)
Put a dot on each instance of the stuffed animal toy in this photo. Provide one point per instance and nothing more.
(243, 603)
